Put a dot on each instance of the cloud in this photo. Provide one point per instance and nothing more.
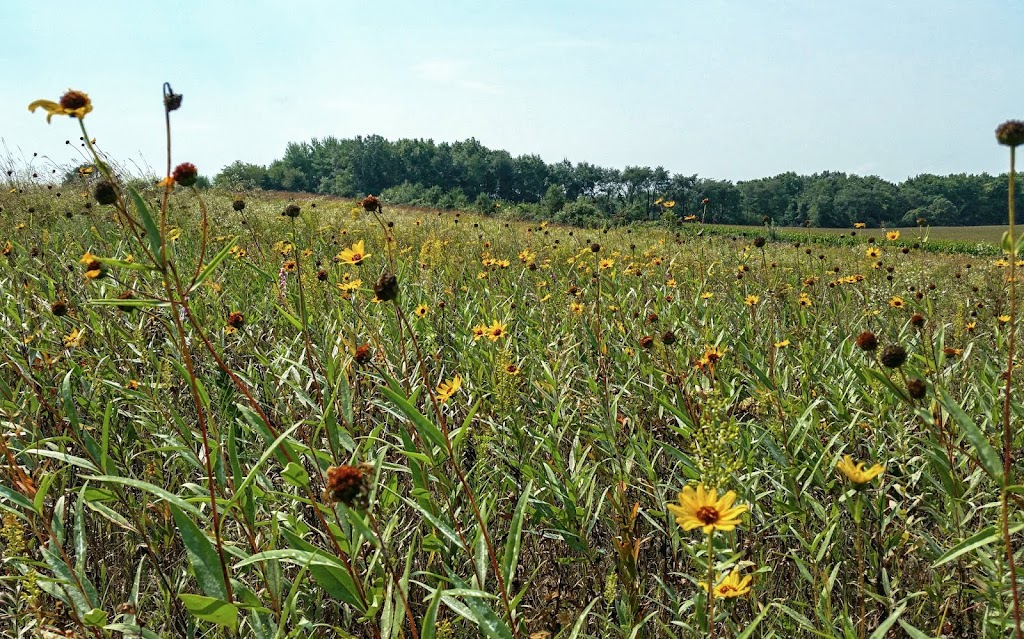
(450, 72)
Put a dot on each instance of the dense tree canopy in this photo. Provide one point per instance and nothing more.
(467, 174)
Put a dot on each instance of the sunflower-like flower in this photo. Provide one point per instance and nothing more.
(353, 255)
(496, 331)
(731, 586)
(892, 236)
(856, 473)
(421, 311)
(704, 509)
(445, 390)
(73, 103)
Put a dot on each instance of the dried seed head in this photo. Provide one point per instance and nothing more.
(916, 388)
(370, 203)
(105, 192)
(185, 174)
(867, 341)
(1009, 133)
(893, 356)
(386, 288)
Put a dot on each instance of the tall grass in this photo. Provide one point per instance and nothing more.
(233, 427)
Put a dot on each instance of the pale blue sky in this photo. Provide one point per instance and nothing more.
(724, 89)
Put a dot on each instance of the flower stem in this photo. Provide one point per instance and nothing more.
(711, 584)
(1007, 434)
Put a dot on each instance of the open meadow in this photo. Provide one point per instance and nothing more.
(277, 415)
(221, 415)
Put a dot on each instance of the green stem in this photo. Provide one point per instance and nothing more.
(711, 584)
(1007, 433)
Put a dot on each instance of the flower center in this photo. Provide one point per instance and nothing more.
(74, 100)
(357, 257)
(707, 514)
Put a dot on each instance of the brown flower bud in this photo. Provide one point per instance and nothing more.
(386, 288)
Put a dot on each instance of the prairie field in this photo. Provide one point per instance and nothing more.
(222, 415)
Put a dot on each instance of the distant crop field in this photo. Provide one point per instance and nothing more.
(986, 234)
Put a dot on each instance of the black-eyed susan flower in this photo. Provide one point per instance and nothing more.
(421, 311)
(445, 390)
(751, 300)
(94, 269)
(354, 255)
(782, 343)
(896, 302)
(731, 585)
(892, 236)
(856, 472)
(479, 331)
(496, 331)
(873, 252)
(702, 508)
(74, 339)
(859, 225)
(73, 103)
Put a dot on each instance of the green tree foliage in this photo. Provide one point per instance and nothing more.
(467, 174)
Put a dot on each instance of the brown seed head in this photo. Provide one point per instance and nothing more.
(236, 319)
(867, 341)
(916, 388)
(386, 288)
(105, 192)
(292, 210)
(893, 356)
(370, 203)
(363, 354)
(1009, 133)
(185, 174)
(348, 485)
(238, 205)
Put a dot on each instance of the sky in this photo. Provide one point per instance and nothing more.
(723, 89)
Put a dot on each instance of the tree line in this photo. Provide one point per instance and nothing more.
(468, 175)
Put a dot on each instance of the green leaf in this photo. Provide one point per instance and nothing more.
(152, 232)
(912, 632)
(977, 540)
(423, 425)
(213, 610)
(987, 454)
(513, 545)
(428, 627)
(217, 259)
(156, 491)
(95, 617)
(202, 555)
(883, 628)
(295, 475)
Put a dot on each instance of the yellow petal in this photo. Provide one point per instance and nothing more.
(44, 104)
